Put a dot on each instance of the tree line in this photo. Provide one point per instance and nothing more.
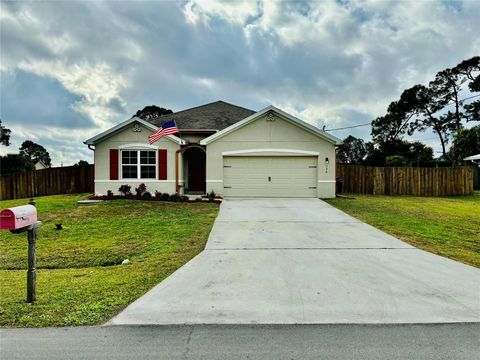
(444, 107)
(31, 153)
(28, 155)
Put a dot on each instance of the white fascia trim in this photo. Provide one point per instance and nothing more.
(135, 181)
(137, 145)
(118, 127)
(214, 181)
(330, 138)
(291, 151)
(326, 181)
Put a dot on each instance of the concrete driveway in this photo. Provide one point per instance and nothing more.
(301, 261)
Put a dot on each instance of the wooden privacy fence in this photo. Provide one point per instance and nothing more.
(361, 179)
(61, 180)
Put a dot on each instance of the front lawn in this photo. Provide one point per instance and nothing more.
(80, 279)
(447, 226)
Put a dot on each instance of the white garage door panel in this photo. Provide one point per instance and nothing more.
(289, 176)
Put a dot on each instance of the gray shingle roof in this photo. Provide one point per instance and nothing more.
(217, 115)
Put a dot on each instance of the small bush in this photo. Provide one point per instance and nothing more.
(396, 160)
(165, 197)
(146, 195)
(109, 193)
(158, 195)
(142, 188)
(125, 190)
(211, 195)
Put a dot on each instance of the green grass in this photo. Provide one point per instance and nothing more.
(447, 226)
(79, 279)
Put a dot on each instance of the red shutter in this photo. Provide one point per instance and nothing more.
(113, 164)
(162, 164)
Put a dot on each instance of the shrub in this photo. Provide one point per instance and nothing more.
(211, 195)
(146, 195)
(109, 193)
(125, 190)
(158, 195)
(396, 160)
(165, 197)
(142, 188)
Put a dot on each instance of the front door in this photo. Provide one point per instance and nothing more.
(196, 161)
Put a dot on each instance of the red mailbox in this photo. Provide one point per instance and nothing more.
(18, 217)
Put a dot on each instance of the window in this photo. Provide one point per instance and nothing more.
(139, 164)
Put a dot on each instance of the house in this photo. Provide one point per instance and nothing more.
(220, 147)
(40, 165)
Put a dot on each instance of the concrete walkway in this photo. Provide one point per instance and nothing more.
(301, 261)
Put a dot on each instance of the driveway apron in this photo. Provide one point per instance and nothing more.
(302, 261)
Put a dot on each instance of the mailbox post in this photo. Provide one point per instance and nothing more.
(20, 219)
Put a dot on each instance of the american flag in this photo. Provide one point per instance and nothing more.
(169, 128)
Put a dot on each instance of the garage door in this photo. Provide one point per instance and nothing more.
(270, 176)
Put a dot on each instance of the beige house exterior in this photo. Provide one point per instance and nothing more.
(266, 154)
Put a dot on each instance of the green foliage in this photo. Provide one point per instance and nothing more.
(15, 163)
(80, 280)
(352, 150)
(472, 111)
(446, 226)
(396, 160)
(152, 111)
(415, 153)
(125, 190)
(82, 163)
(35, 152)
(466, 143)
(142, 188)
(422, 108)
(4, 135)
(211, 195)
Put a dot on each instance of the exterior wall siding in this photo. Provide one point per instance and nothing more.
(277, 134)
(128, 136)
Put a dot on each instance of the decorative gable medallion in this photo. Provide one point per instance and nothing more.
(136, 128)
(270, 116)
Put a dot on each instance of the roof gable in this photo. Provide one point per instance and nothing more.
(292, 119)
(213, 116)
(119, 127)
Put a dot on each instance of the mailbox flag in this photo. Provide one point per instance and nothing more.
(169, 128)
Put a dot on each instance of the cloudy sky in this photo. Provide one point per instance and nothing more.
(72, 69)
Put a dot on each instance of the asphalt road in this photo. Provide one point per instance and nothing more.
(434, 341)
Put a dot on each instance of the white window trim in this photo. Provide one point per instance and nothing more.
(120, 165)
(137, 146)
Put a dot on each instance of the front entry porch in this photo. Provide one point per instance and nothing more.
(194, 170)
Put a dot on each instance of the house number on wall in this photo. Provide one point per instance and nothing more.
(136, 128)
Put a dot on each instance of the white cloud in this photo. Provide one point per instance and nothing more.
(97, 85)
(236, 12)
(328, 62)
